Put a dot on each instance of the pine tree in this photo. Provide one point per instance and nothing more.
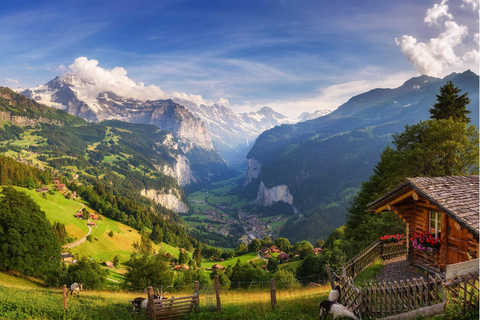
(451, 104)
(28, 242)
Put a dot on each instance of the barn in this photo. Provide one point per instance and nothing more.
(442, 212)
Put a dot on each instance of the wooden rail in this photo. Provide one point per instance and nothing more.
(386, 299)
(173, 307)
(374, 251)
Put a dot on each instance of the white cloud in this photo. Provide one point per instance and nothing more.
(116, 80)
(434, 56)
(473, 4)
(12, 80)
(436, 12)
(447, 52)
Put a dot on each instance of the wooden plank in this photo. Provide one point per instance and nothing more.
(422, 312)
(173, 311)
(458, 269)
(171, 307)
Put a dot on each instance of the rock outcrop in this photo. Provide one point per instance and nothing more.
(254, 170)
(268, 196)
(167, 200)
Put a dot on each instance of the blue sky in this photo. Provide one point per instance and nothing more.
(293, 56)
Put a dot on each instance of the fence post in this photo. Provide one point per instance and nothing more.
(330, 277)
(151, 304)
(64, 297)
(197, 299)
(217, 292)
(273, 293)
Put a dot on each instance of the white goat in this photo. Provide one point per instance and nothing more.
(335, 309)
(75, 288)
(142, 303)
(334, 295)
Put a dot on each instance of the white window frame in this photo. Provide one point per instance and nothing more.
(436, 217)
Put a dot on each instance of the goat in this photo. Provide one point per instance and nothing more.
(75, 287)
(334, 295)
(335, 309)
(142, 303)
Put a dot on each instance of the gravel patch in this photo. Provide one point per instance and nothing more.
(397, 269)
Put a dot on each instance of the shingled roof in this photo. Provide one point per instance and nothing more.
(456, 195)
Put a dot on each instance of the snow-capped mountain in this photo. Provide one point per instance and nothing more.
(264, 119)
(209, 127)
(81, 98)
(313, 115)
(84, 99)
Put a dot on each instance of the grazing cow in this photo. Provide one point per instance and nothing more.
(336, 309)
(75, 288)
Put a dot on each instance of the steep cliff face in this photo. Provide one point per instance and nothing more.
(254, 170)
(268, 196)
(167, 200)
(181, 171)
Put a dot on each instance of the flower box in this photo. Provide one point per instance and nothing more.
(392, 244)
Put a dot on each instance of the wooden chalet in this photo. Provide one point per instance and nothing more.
(446, 207)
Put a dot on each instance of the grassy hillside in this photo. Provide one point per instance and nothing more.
(102, 247)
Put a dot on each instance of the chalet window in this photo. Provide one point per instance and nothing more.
(435, 222)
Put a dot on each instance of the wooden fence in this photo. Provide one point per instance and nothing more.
(374, 251)
(385, 299)
(174, 307)
(414, 297)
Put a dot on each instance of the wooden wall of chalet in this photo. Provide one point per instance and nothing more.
(456, 240)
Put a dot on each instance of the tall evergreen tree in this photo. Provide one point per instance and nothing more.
(27, 241)
(451, 104)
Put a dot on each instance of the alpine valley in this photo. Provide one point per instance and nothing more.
(307, 169)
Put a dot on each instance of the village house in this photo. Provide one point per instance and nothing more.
(61, 186)
(317, 251)
(283, 257)
(92, 224)
(110, 264)
(274, 249)
(79, 215)
(218, 267)
(181, 267)
(42, 189)
(66, 257)
(445, 208)
(93, 216)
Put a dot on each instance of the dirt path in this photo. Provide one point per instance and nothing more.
(397, 269)
(80, 241)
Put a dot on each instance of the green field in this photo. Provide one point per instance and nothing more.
(230, 262)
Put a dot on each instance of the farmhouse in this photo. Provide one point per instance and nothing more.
(93, 216)
(66, 257)
(283, 257)
(61, 186)
(79, 215)
(42, 189)
(445, 208)
(92, 224)
(218, 267)
(110, 264)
